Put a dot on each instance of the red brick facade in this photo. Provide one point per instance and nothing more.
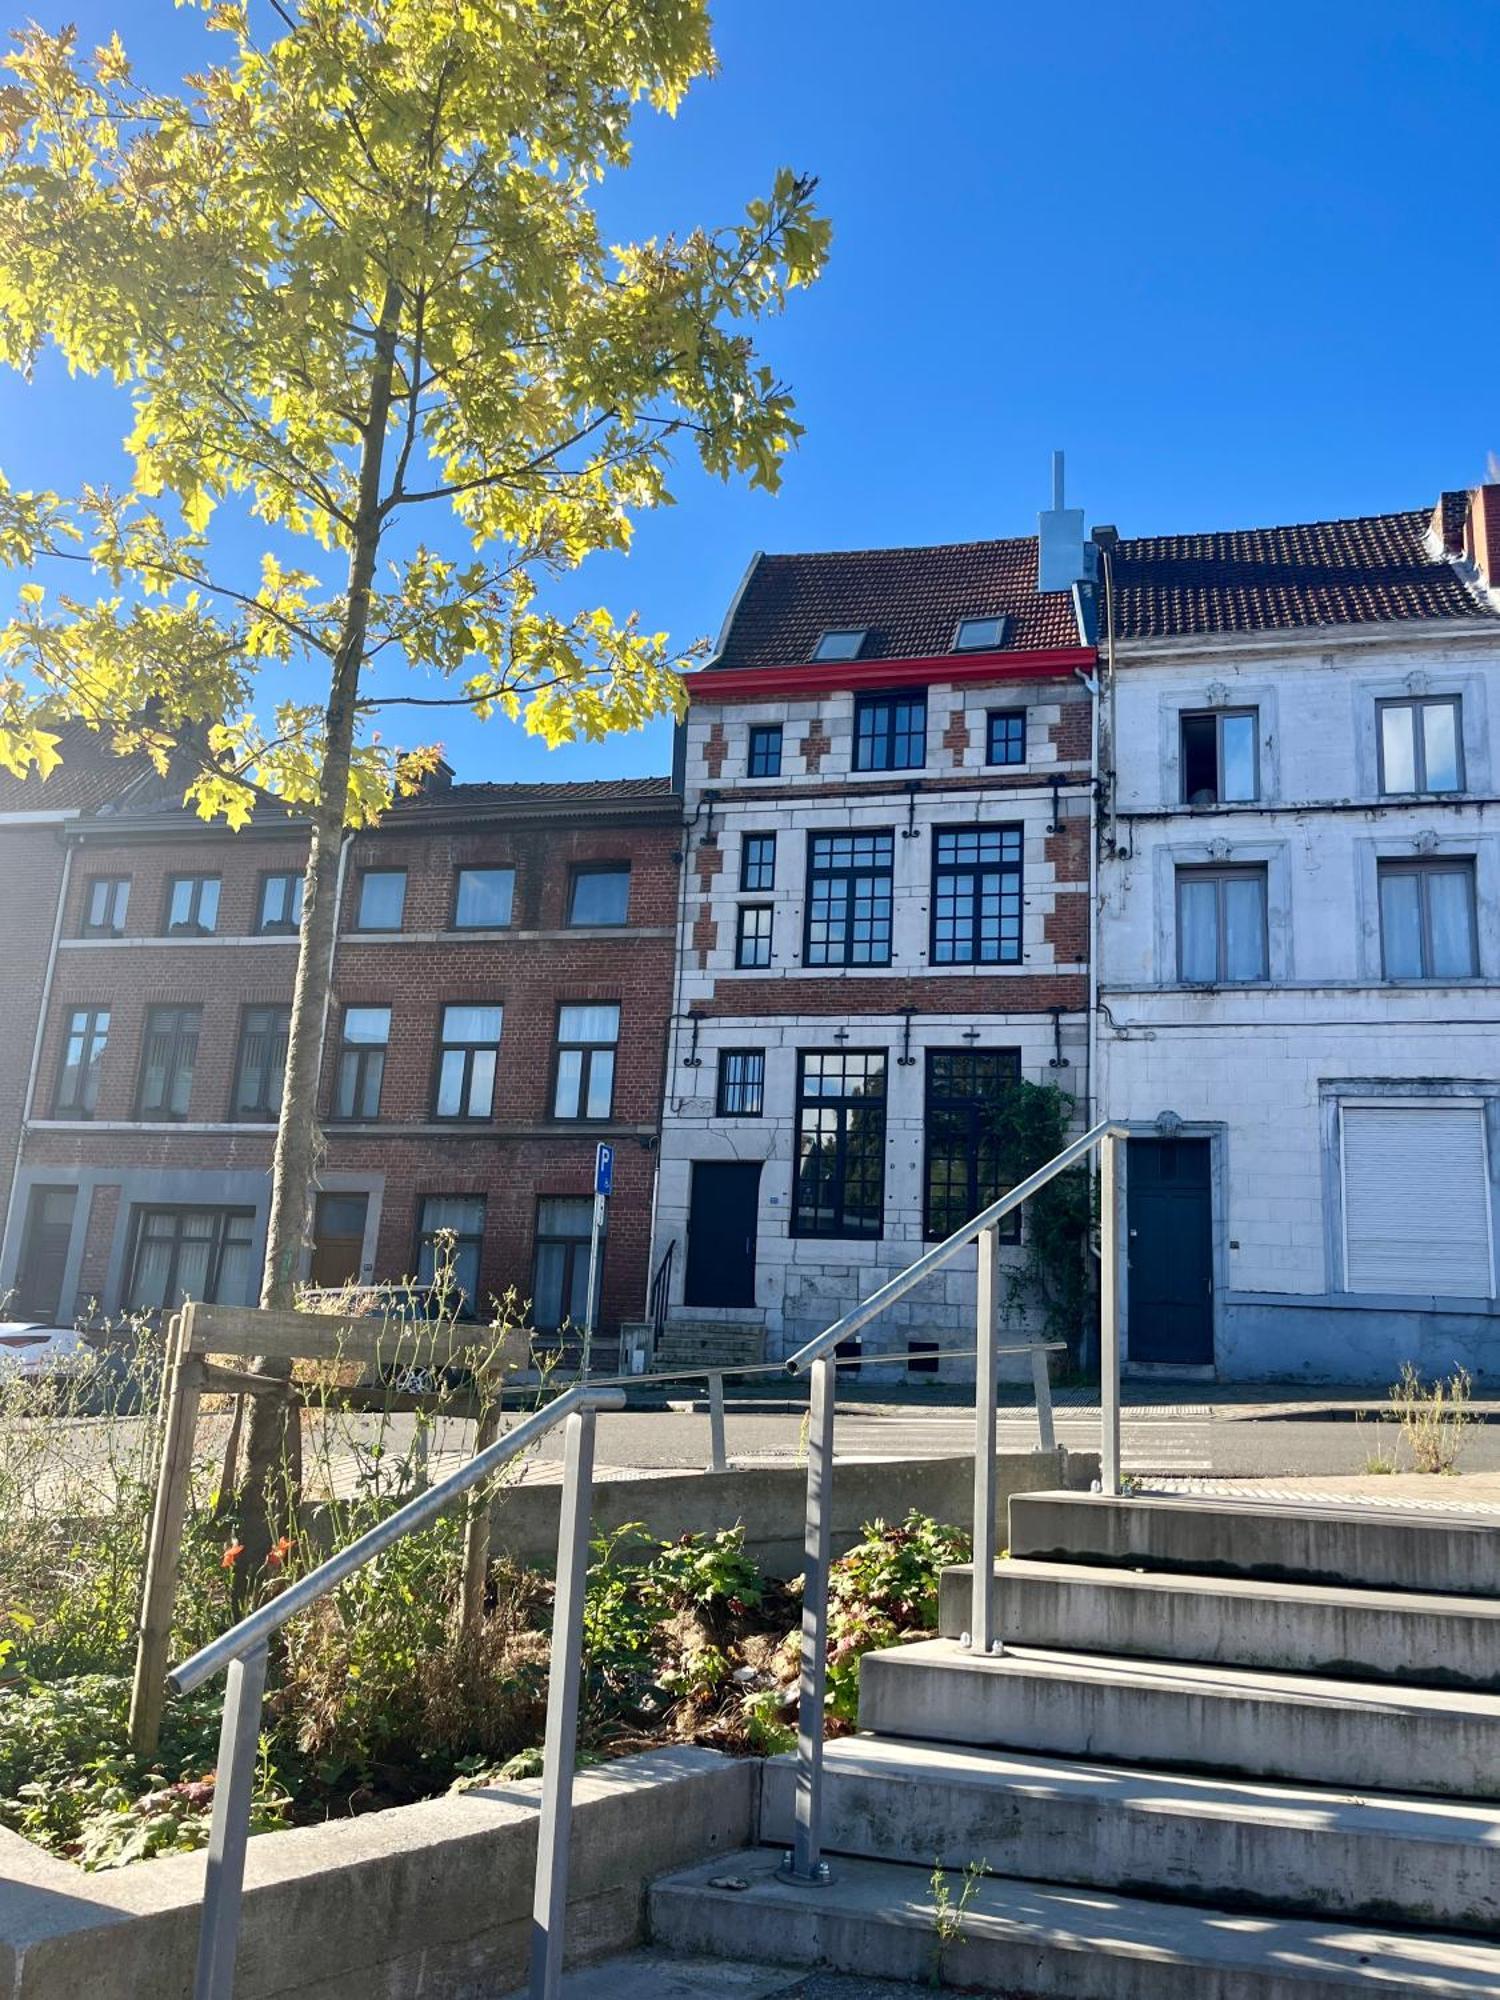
(539, 962)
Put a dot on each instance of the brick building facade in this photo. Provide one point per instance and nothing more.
(501, 986)
(887, 775)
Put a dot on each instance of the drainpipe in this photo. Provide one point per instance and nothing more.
(44, 1008)
(1091, 1095)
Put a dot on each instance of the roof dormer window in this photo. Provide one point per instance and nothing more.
(840, 645)
(979, 635)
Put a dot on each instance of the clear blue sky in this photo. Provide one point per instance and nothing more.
(1238, 259)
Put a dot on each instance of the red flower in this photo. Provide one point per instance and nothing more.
(277, 1556)
(232, 1555)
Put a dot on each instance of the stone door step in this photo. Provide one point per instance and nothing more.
(1371, 1548)
(1387, 1859)
(1024, 1939)
(1173, 1714)
(1316, 1628)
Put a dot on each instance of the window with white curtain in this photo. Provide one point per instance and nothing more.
(1427, 918)
(586, 1038)
(1221, 925)
(564, 1234)
(449, 1242)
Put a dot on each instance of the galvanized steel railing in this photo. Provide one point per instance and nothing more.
(242, 1650)
(804, 1863)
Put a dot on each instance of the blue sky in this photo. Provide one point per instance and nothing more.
(1238, 259)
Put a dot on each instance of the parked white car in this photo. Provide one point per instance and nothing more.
(33, 1352)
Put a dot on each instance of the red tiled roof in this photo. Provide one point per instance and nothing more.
(1378, 568)
(909, 601)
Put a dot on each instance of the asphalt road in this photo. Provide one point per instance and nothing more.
(1222, 1439)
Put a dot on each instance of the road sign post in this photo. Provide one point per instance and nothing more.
(604, 1183)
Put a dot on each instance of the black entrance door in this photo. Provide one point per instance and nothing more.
(721, 1234)
(1170, 1251)
(44, 1251)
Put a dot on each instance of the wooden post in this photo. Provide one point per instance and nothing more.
(164, 1539)
(477, 1531)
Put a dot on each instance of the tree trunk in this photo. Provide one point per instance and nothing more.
(266, 1494)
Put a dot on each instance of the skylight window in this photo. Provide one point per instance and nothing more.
(842, 645)
(979, 635)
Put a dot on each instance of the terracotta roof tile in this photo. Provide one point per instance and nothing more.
(909, 601)
(1378, 568)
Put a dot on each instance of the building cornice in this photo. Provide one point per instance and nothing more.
(847, 676)
(1404, 632)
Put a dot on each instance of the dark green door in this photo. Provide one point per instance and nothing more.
(1169, 1264)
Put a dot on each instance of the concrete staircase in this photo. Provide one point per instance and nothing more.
(1230, 1752)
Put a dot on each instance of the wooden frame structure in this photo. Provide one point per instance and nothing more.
(242, 1331)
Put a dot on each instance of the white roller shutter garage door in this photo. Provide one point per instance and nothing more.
(1417, 1199)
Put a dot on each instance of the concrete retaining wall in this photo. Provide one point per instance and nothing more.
(426, 1902)
(770, 1501)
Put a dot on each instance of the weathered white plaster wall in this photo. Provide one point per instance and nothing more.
(1262, 1063)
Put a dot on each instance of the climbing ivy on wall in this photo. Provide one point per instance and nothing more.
(1026, 1125)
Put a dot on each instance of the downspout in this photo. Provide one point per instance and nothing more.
(44, 1009)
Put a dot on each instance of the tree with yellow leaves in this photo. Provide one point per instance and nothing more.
(352, 278)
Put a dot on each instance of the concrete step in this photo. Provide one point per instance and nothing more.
(1201, 1840)
(1316, 1628)
(1032, 1942)
(1372, 1548)
(1177, 1714)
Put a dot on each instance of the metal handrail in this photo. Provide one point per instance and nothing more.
(242, 1650)
(804, 1862)
(940, 1253)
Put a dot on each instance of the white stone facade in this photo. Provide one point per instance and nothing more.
(803, 1283)
(1270, 1071)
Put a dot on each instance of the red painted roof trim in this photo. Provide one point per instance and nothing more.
(839, 676)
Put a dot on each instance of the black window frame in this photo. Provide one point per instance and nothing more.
(83, 1101)
(182, 1036)
(588, 1052)
(953, 875)
(468, 1048)
(754, 929)
(967, 1104)
(757, 861)
(1220, 873)
(192, 925)
(1001, 622)
(1419, 704)
(1423, 867)
(279, 926)
(468, 1307)
(585, 870)
(117, 888)
(356, 1060)
(889, 715)
(262, 1112)
(1006, 719)
(222, 1216)
(805, 1220)
(1239, 712)
(733, 1091)
(763, 750)
(483, 868)
(379, 930)
(819, 910)
(827, 650)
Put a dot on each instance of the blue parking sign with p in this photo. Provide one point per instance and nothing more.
(604, 1169)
